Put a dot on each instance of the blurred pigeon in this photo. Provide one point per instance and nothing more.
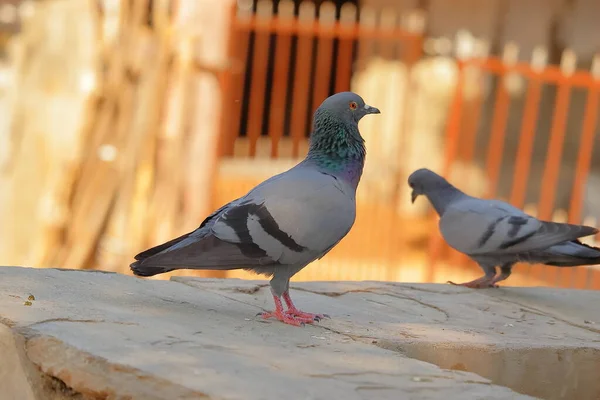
(287, 221)
(494, 233)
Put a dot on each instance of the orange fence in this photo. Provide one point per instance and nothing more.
(284, 65)
(462, 134)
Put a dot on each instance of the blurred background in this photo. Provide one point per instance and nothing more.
(123, 123)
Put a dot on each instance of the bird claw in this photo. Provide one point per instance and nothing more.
(307, 317)
(284, 317)
(477, 284)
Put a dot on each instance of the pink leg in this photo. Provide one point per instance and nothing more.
(505, 272)
(482, 283)
(292, 310)
(281, 315)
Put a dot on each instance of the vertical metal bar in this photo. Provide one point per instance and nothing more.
(586, 146)
(324, 54)
(554, 153)
(345, 47)
(526, 140)
(301, 77)
(281, 67)
(258, 82)
(233, 82)
(496, 145)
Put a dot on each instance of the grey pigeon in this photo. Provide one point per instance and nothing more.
(287, 221)
(495, 234)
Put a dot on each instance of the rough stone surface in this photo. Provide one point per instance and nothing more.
(90, 335)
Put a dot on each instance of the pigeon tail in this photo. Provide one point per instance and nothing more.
(148, 270)
(572, 254)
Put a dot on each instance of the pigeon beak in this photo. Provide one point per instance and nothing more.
(371, 110)
(413, 196)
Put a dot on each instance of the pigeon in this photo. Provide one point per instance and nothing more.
(287, 221)
(495, 234)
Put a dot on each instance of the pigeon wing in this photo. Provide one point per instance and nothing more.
(294, 220)
(291, 219)
(477, 227)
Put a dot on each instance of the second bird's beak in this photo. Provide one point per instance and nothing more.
(413, 196)
(371, 110)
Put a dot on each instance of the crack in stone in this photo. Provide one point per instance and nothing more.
(378, 302)
(93, 321)
(338, 294)
(533, 310)
(377, 290)
(373, 387)
(418, 302)
(414, 378)
(418, 289)
(355, 338)
(239, 289)
(169, 342)
(7, 322)
(98, 271)
(354, 373)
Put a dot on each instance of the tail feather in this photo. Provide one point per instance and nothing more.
(148, 270)
(157, 249)
(192, 252)
(140, 268)
(572, 254)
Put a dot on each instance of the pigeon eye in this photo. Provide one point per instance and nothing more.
(353, 105)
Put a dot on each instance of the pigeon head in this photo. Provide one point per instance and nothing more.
(347, 106)
(335, 132)
(424, 181)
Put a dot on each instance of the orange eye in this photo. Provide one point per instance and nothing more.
(353, 105)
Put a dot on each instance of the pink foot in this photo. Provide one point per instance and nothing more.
(292, 310)
(283, 317)
(481, 283)
(292, 316)
(306, 317)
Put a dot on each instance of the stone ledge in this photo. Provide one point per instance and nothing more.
(104, 335)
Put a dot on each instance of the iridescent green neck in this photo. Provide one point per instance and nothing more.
(337, 146)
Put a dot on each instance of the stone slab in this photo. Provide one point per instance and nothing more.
(106, 335)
